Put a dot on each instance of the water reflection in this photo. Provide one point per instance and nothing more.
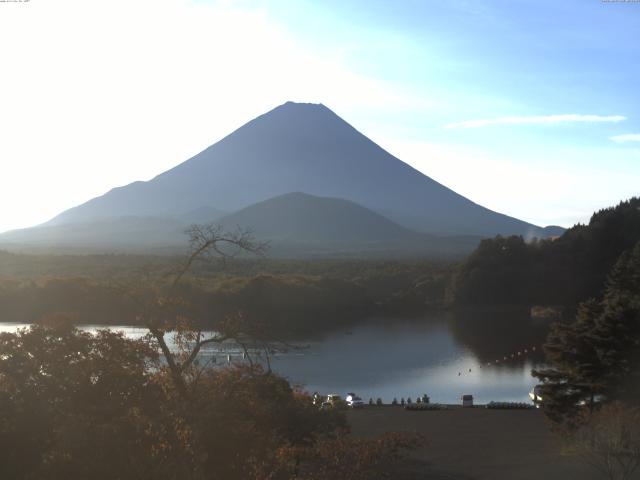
(390, 358)
(493, 334)
(443, 356)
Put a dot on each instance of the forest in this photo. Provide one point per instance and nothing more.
(561, 271)
(299, 296)
(292, 296)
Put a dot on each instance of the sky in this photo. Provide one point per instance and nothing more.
(528, 107)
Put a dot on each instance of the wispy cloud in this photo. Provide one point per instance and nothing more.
(537, 120)
(630, 137)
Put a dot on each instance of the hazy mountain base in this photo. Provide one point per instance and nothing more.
(435, 249)
(296, 225)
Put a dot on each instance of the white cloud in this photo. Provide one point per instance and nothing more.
(630, 137)
(537, 120)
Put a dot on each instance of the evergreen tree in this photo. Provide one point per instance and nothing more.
(618, 328)
(596, 358)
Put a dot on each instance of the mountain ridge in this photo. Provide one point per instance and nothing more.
(303, 148)
(308, 148)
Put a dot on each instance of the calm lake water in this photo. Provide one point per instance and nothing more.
(387, 358)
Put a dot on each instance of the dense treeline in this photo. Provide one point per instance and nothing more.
(562, 271)
(289, 296)
(28, 266)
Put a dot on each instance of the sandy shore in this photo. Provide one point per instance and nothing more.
(475, 443)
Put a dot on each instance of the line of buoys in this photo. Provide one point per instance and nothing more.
(512, 356)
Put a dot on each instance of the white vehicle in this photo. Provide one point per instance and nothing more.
(536, 395)
(354, 401)
(333, 400)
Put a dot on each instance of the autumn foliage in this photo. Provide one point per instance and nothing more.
(74, 405)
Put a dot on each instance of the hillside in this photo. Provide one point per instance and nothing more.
(125, 233)
(301, 148)
(300, 217)
(564, 271)
(310, 224)
(294, 225)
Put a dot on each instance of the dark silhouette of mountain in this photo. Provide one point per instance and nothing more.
(301, 148)
(305, 224)
(300, 217)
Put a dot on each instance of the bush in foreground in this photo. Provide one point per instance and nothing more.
(75, 406)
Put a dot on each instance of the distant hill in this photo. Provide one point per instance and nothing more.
(308, 224)
(301, 148)
(564, 271)
(300, 217)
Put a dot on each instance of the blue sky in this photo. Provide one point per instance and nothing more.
(530, 108)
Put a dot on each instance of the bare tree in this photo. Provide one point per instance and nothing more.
(162, 304)
(609, 441)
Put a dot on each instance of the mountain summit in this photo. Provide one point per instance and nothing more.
(301, 147)
(344, 182)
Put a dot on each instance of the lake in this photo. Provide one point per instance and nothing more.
(442, 357)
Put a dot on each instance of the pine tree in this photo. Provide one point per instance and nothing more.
(596, 358)
(618, 327)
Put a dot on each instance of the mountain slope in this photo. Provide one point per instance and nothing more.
(294, 224)
(300, 217)
(301, 148)
(126, 233)
(304, 224)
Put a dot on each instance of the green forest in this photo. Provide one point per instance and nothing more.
(290, 295)
(561, 271)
